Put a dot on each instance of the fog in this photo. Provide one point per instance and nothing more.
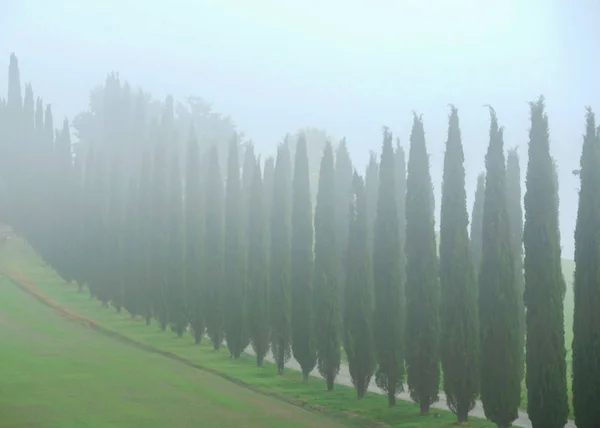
(346, 67)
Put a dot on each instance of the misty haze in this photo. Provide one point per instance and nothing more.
(307, 214)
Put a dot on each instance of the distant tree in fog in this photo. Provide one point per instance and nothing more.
(302, 244)
(326, 276)
(389, 316)
(358, 303)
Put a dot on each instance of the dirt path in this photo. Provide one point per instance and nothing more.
(344, 378)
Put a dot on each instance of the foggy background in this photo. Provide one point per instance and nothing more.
(348, 67)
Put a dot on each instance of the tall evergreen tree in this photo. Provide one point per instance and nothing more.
(257, 296)
(160, 232)
(326, 277)
(114, 231)
(401, 197)
(477, 223)
(212, 251)
(422, 287)
(389, 316)
(498, 303)
(233, 304)
(132, 250)
(358, 304)
(145, 267)
(460, 321)
(279, 260)
(343, 197)
(515, 214)
(195, 286)
(547, 401)
(372, 191)
(268, 173)
(586, 321)
(177, 295)
(303, 333)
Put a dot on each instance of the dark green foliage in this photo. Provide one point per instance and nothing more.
(389, 317)
(132, 251)
(372, 191)
(280, 258)
(343, 197)
(460, 321)
(422, 286)
(195, 286)
(176, 290)
(212, 251)
(515, 214)
(303, 333)
(61, 250)
(547, 401)
(268, 193)
(258, 276)
(160, 233)
(114, 234)
(326, 276)
(145, 269)
(498, 303)
(400, 172)
(477, 223)
(234, 285)
(586, 322)
(358, 304)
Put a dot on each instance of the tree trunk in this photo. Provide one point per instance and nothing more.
(392, 398)
(197, 337)
(462, 415)
(360, 392)
(148, 319)
(330, 383)
(424, 408)
(259, 360)
(304, 377)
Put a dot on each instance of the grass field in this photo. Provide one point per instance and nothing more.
(57, 373)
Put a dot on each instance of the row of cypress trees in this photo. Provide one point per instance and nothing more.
(246, 259)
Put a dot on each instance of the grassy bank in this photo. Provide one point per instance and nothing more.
(340, 404)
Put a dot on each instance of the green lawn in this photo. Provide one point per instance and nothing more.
(56, 373)
(62, 374)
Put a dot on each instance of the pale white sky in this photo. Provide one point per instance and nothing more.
(346, 66)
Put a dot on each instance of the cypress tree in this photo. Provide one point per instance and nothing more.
(326, 278)
(160, 233)
(212, 251)
(78, 256)
(132, 251)
(477, 223)
(268, 174)
(279, 260)
(195, 286)
(358, 304)
(515, 214)
(547, 401)
(498, 303)
(460, 321)
(422, 286)
(343, 197)
(389, 316)
(372, 191)
(233, 304)
(303, 334)
(586, 324)
(145, 267)
(177, 295)
(401, 197)
(114, 249)
(257, 297)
